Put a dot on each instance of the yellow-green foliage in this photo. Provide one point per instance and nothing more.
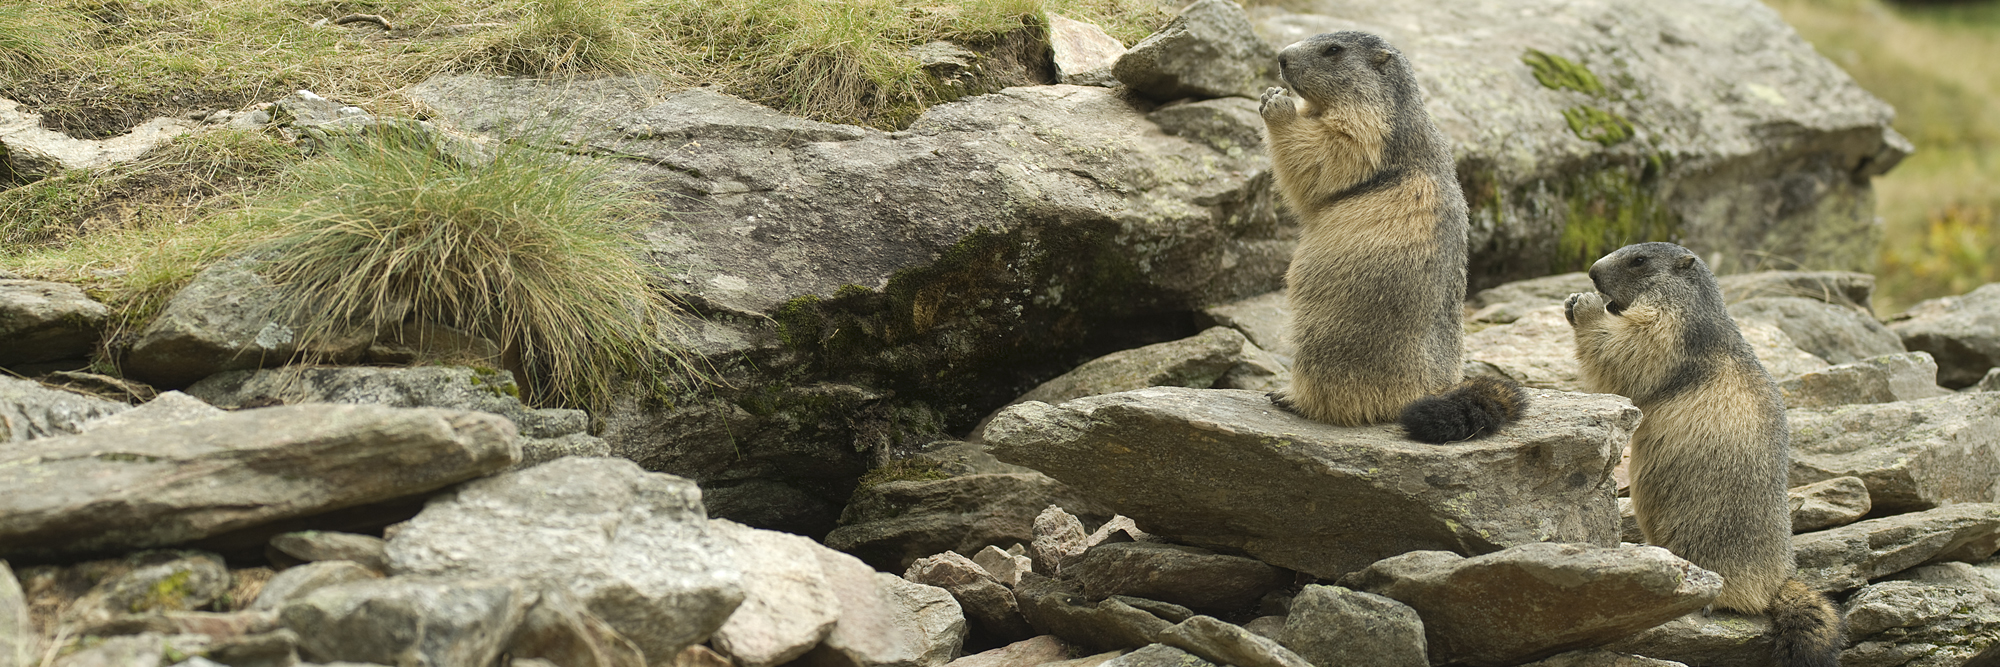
(34, 35)
(167, 594)
(1558, 73)
(904, 470)
(1594, 124)
(523, 247)
(1939, 205)
(171, 185)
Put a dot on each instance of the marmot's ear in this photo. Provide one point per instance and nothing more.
(1686, 262)
(1380, 57)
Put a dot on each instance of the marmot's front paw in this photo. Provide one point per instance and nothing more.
(1276, 100)
(1588, 304)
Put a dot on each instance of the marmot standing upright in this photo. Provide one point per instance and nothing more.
(1709, 462)
(1378, 279)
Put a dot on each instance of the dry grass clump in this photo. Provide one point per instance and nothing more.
(525, 248)
(184, 180)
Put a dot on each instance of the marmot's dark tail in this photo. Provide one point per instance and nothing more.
(1473, 408)
(1805, 628)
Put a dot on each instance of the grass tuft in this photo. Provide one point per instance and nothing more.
(528, 249)
(567, 37)
(33, 36)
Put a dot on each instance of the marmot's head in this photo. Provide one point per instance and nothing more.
(1630, 273)
(1344, 68)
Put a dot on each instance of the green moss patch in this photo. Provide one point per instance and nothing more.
(1594, 124)
(1609, 209)
(1558, 73)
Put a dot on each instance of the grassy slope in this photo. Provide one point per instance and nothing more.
(1932, 63)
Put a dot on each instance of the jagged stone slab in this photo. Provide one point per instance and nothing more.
(1225, 469)
(1850, 556)
(1209, 50)
(1914, 455)
(561, 631)
(45, 321)
(1196, 361)
(633, 547)
(456, 387)
(989, 606)
(1533, 601)
(1228, 644)
(312, 546)
(1838, 334)
(1189, 576)
(37, 152)
(1841, 288)
(302, 580)
(1330, 625)
(1834, 502)
(408, 620)
(29, 410)
(143, 486)
(1714, 639)
(227, 318)
(788, 606)
(1906, 376)
(1600, 658)
(1962, 332)
(892, 524)
(1059, 608)
(1922, 624)
(886, 621)
(1083, 54)
(1025, 653)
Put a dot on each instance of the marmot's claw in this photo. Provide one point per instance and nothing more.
(1274, 96)
(1283, 401)
(1569, 308)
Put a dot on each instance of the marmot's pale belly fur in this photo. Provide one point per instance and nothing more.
(1709, 461)
(1378, 280)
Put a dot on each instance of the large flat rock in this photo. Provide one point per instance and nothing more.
(1913, 455)
(1225, 469)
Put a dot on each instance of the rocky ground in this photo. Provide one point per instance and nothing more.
(997, 271)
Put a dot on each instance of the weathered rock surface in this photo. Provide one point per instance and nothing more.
(1083, 54)
(1923, 623)
(1225, 469)
(226, 319)
(318, 545)
(1330, 625)
(1600, 658)
(1606, 121)
(141, 650)
(29, 410)
(296, 582)
(1912, 454)
(1156, 655)
(1962, 332)
(632, 547)
(1059, 608)
(1907, 376)
(886, 621)
(172, 407)
(989, 606)
(44, 321)
(1834, 502)
(408, 620)
(35, 152)
(1841, 288)
(1188, 576)
(455, 387)
(1850, 556)
(18, 643)
(1537, 348)
(1259, 318)
(1004, 567)
(1059, 540)
(1223, 643)
(143, 486)
(1025, 653)
(1195, 362)
(1989, 383)
(788, 606)
(1838, 334)
(1230, 125)
(892, 524)
(1209, 50)
(1536, 600)
(558, 629)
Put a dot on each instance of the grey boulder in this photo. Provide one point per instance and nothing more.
(1330, 625)
(1082, 53)
(44, 321)
(634, 548)
(1825, 504)
(1921, 624)
(989, 606)
(1850, 556)
(302, 580)
(1913, 455)
(1227, 644)
(788, 605)
(408, 620)
(229, 318)
(1209, 50)
(1225, 469)
(1536, 600)
(1838, 334)
(29, 410)
(144, 486)
(1197, 361)
(1962, 332)
(1905, 376)
(892, 524)
(1192, 577)
(886, 621)
(320, 545)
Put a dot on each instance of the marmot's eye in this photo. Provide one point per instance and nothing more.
(1638, 261)
(1330, 51)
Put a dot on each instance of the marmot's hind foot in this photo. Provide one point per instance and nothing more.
(1477, 407)
(1284, 402)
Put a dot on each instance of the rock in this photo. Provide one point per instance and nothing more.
(277, 648)
(1222, 643)
(1209, 50)
(1330, 625)
(1536, 600)
(1841, 288)
(1716, 639)
(1156, 655)
(1196, 578)
(1533, 292)
(892, 524)
(1834, 502)
(1259, 318)
(1913, 455)
(318, 545)
(1775, 350)
(632, 547)
(988, 605)
(1082, 52)
(1230, 125)
(1962, 332)
(19, 646)
(1059, 608)
(1059, 540)
(176, 581)
(429, 344)
(117, 389)
(1258, 371)
(560, 630)
(700, 656)
(1556, 111)
(1937, 624)
(1850, 556)
(169, 408)
(1837, 334)
(1004, 567)
(36, 153)
(537, 451)
(227, 318)
(1989, 383)
(1894, 377)
(219, 627)
(132, 488)
(1025, 653)
(1600, 658)
(886, 621)
(455, 387)
(29, 410)
(409, 620)
(1537, 349)
(141, 650)
(788, 606)
(1224, 469)
(44, 321)
(1273, 627)
(296, 582)
(1190, 362)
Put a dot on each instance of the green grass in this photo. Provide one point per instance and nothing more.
(184, 180)
(1939, 205)
(529, 249)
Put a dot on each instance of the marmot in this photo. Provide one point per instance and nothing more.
(1378, 279)
(1709, 460)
